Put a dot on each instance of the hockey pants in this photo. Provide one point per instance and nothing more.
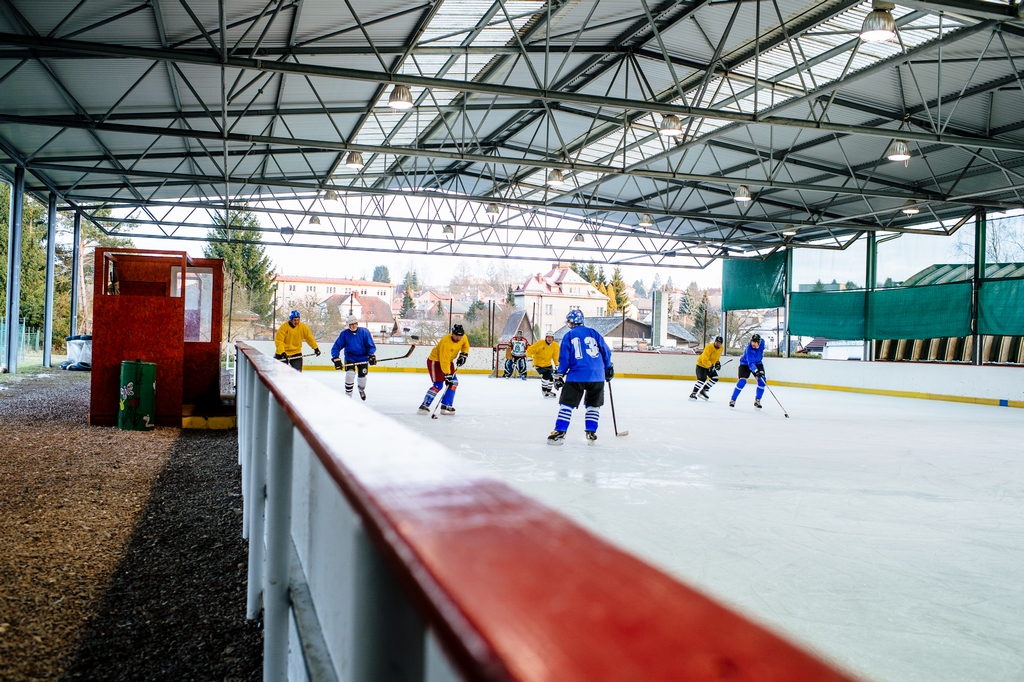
(547, 382)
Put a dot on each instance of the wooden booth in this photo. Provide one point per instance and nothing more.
(162, 307)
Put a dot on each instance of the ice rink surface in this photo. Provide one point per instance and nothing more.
(886, 534)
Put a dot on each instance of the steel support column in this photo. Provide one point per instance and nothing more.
(51, 239)
(980, 244)
(870, 279)
(76, 265)
(788, 281)
(12, 310)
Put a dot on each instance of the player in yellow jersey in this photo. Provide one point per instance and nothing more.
(448, 355)
(289, 338)
(708, 364)
(545, 361)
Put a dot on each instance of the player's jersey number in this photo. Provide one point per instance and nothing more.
(592, 348)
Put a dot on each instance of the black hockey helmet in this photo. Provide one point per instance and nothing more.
(718, 339)
(755, 337)
(457, 330)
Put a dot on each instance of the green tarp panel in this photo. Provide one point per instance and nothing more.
(751, 283)
(833, 314)
(1001, 308)
(927, 312)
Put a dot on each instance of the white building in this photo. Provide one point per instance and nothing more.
(296, 289)
(548, 298)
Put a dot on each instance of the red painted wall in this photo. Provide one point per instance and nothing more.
(137, 324)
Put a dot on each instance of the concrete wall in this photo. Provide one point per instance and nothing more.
(960, 383)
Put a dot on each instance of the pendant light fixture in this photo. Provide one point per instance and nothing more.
(401, 98)
(878, 26)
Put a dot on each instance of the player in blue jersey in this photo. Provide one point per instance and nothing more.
(359, 348)
(751, 363)
(584, 364)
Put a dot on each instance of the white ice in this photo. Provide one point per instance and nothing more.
(885, 534)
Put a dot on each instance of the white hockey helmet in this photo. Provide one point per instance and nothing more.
(351, 319)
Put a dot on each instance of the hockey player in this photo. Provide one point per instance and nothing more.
(584, 364)
(516, 355)
(545, 355)
(750, 363)
(289, 338)
(450, 353)
(708, 364)
(359, 348)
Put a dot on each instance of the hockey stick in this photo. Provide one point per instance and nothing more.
(615, 426)
(776, 399)
(397, 357)
(437, 402)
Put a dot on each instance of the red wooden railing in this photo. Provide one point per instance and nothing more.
(515, 590)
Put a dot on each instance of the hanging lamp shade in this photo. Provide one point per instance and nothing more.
(492, 211)
(742, 194)
(878, 26)
(555, 178)
(670, 126)
(401, 98)
(646, 220)
(898, 150)
(314, 220)
(330, 195)
(448, 229)
(354, 160)
(578, 237)
(911, 208)
(789, 230)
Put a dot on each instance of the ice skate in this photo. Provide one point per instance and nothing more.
(348, 393)
(693, 396)
(757, 403)
(704, 395)
(447, 410)
(362, 394)
(556, 438)
(591, 437)
(424, 409)
(732, 403)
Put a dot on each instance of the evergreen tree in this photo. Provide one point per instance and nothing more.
(706, 321)
(656, 282)
(246, 261)
(411, 282)
(381, 274)
(474, 308)
(668, 285)
(617, 290)
(408, 305)
(818, 286)
(510, 296)
(600, 276)
(638, 286)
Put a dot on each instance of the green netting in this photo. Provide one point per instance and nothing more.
(1001, 308)
(925, 312)
(749, 284)
(834, 315)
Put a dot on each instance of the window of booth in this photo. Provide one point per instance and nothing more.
(198, 302)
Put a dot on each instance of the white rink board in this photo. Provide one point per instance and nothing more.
(965, 381)
(886, 534)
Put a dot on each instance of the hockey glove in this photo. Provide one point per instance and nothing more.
(559, 382)
(337, 363)
(609, 373)
(461, 360)
(281, 357)
(718, 366)
(449, 379)
(316, 351)
(759, 374)
(372, 359)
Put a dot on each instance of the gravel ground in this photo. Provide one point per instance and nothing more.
(122, 552)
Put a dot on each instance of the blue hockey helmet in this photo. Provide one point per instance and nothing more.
(294, 315)
(575, 317)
